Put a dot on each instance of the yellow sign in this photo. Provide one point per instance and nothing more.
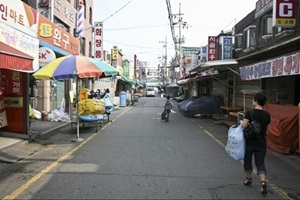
(114, 53)
(13, 102)
(83, 94)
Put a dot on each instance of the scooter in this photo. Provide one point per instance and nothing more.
(165, 115)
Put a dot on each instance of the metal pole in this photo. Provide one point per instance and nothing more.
(179, 41)
(77, 139)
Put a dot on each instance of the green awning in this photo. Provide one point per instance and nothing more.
(128, 80)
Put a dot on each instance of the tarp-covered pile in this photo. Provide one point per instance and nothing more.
(91, 106)
(202, 105)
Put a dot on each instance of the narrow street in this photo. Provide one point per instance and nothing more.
(139, 156)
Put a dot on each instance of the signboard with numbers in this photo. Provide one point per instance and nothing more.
(98, 35)
(56, 36)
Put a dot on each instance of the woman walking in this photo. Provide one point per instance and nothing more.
(257, 146)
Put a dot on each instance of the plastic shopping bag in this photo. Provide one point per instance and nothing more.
(235, 146)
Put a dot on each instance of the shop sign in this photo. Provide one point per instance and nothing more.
(98, 35)
(284, 13)
(20, 41)
(203, 54)
(46, 55)
(212, 48)
(189, 51)
(281, 66)
(120, 69)
(68, 13)
(56, 36)
(13, 102)
(19, 15)
(262, 7)
(12, 82)
(114, 53)
(209, 72)
(227, 48)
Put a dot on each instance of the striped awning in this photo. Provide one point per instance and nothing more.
(13, 59)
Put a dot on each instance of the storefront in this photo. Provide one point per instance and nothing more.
(52, 93)
(280, 77)
(18, 58)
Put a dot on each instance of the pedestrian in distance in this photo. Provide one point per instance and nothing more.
(162, 93)
(257, 146)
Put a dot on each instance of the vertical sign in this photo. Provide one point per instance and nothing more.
(114, 53)
(212, 48)
(227, 48)
(203, 54)
(284, 13)
(98, 35)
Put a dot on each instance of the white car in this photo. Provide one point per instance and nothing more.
(150, 92)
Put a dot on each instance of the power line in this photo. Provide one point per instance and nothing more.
(117, 11)
(136, 27)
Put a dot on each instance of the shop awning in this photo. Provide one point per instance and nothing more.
(13, 59)
(216, 63)
(128, 80)
(183, 81)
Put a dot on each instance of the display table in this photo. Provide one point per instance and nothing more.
(230, 110)
(91, 120)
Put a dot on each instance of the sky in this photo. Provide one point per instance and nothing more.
(141, 27)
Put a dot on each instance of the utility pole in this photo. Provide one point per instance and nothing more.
(165, 59)
(180, 39)
(177, 40)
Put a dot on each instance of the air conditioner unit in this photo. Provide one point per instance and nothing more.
(266, 37)
(284, 33)
(248, 49)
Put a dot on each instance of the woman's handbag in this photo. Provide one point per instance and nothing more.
(235, 146)
(253, 130)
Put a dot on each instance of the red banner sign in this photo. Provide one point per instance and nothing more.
(284, 13)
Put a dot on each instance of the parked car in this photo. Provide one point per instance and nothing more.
(150, 92)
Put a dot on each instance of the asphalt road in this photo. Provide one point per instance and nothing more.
(139, 156)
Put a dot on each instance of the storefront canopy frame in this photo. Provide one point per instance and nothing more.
(13, 59)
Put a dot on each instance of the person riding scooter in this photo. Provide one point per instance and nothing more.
(167, 108)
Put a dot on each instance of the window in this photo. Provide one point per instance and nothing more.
(90, 49)
(267, 25)
(82, 46)
(249, 37)
(238, 41)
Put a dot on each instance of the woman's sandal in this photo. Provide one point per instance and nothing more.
(248, 181)
(264, 190)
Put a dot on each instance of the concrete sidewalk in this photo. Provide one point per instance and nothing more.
(15, 149)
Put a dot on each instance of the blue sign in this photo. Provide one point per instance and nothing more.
(227, 48)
